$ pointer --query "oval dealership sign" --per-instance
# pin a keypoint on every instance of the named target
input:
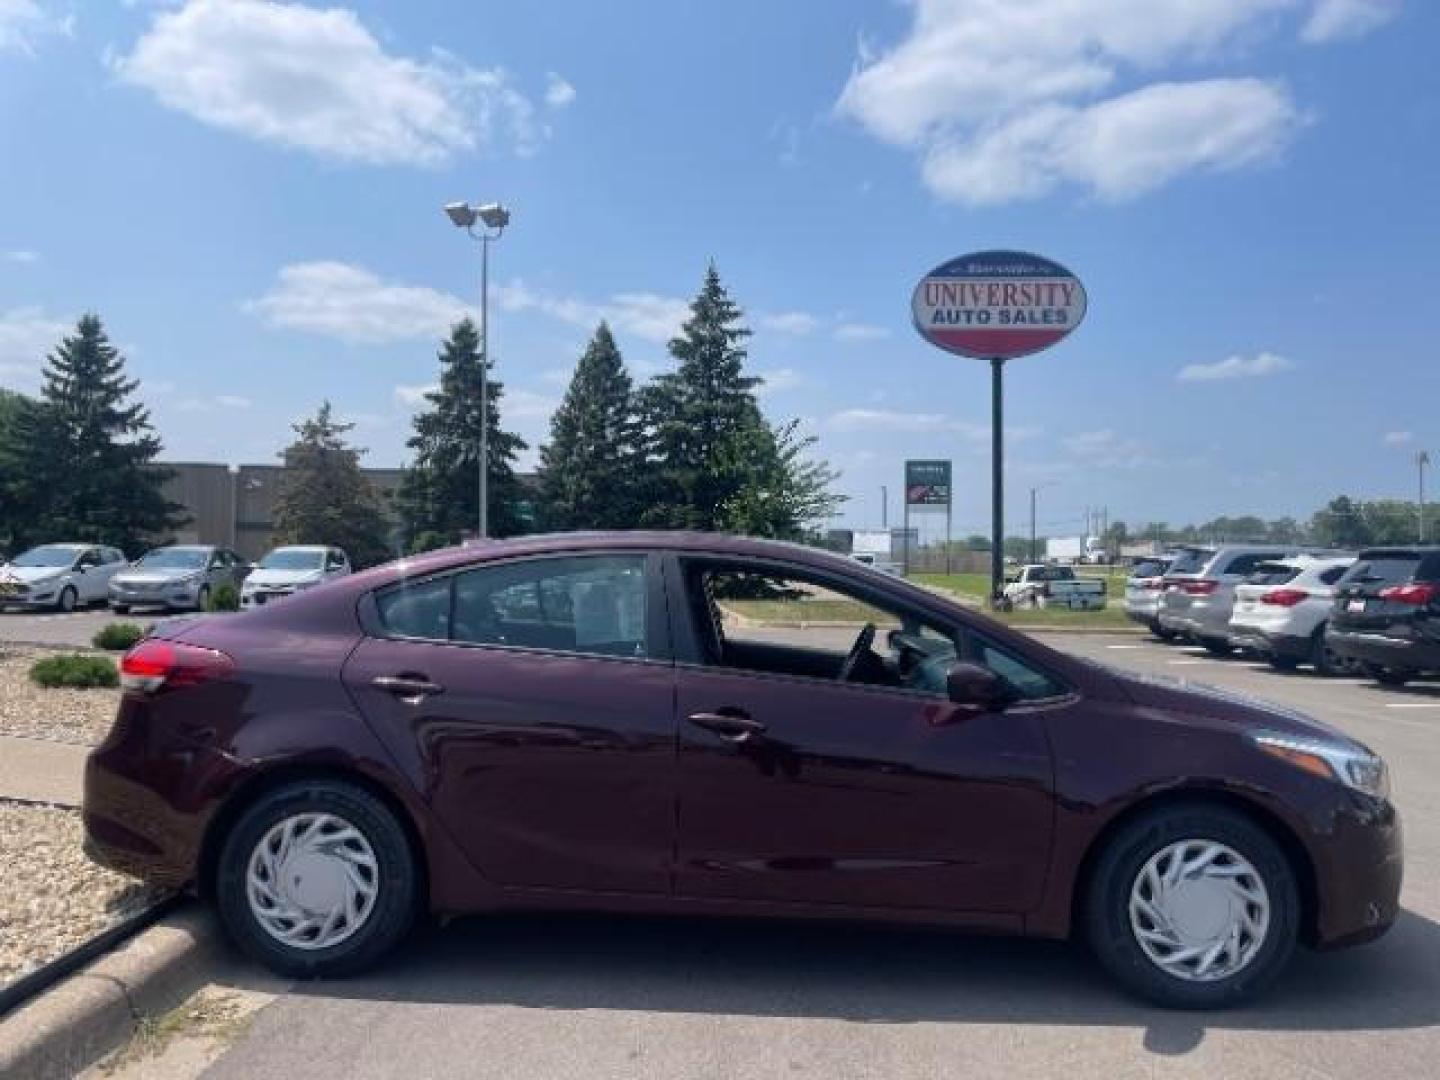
(1001, 304)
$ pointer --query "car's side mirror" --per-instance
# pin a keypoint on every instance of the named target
(977, 686)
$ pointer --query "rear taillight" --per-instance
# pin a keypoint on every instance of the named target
(1409, 594)
(1199, 588)
(1153, 584)
(155, 664)
(1284, 597)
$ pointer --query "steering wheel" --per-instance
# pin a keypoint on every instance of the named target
(859, 649)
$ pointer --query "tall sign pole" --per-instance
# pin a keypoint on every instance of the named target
(996, 306)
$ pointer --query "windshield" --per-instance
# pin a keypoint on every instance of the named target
(175, 559)
(1190, 562)
(1384, 569)
(1273, 574)
(1150, 568)
(49, 555)
(293, 559)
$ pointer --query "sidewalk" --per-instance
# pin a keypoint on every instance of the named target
(39, 770)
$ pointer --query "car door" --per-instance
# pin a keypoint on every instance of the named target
(802, 788)
(89, 583)
(535, 697)
(113, 562)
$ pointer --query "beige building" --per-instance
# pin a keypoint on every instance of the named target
(235, 505)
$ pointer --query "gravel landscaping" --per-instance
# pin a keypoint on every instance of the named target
(54, 898)
(73, 716)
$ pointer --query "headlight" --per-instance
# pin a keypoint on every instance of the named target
(1351, 765)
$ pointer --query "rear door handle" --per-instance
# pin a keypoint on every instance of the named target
(734, 727)
(411, 688)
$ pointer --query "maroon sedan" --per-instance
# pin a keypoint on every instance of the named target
(600, 721)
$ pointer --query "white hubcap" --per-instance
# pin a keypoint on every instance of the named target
(1199, 910)
(312, 881)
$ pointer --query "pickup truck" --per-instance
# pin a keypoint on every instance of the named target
(1054, 586)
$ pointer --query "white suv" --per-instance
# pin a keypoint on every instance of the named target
(1282, 608)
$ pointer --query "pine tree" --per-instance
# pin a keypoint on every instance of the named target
(14, 511)
(697, 416)
(439, 498)
(325, 498)
(588, 472)
(87, 451)
(713, 461)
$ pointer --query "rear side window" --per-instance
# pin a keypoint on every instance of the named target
(1189, 562)
(589, 604)
(1272, 574)
(1331, 576)
(1241, 564)
(418, 610)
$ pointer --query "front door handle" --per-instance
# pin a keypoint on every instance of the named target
(410, 688)
(732, 726)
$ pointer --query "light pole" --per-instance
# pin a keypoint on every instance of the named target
(1034, 550)
(884, 507)
(494, 218)
(1422, 459)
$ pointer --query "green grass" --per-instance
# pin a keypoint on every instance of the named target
(117, 636)
(810, 611)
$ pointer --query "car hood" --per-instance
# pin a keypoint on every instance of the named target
(144, 576)
(28, 574)
(1213, 706)
(283, 577)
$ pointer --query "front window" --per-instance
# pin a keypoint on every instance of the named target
(174, 559)
(292, 559)
(51, 555)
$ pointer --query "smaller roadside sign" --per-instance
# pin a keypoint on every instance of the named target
(927, 483)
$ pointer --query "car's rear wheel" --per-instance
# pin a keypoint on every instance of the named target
(1283, 663)
(1389, 676)
(1216, 646)
(120, 609)
(317, 878)
(66, 601)
(1325, 660)
(1193, 907)
(1164, 633)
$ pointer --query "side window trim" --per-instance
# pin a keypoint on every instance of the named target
(657, 626)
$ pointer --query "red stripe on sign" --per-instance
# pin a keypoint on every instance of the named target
(988, 343)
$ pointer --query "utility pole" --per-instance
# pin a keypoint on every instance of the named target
(884, 507)
(1422, 459)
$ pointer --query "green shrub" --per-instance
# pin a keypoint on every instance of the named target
(80, 672)
(117, 636)
(225, 598)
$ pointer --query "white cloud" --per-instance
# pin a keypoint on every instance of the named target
(1336, 20)
(318, 80)
(1236, 367)
(779, 380)
(233, 401)
(22, 23)
(27, 335)
(1105, 449)
(795, 323)
(1399, 438)
(348, 302)
(853, 331)
(20, 256)
(558, 92)
(646, 315)
(521, 404)
(1004, 100)
(1121, 147)
(893, 420)
(412, 397)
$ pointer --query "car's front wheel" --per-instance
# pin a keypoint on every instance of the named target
(1389, 676)
(67, 599)
(317, 878)
(1193, 907)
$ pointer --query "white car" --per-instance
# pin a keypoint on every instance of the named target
(1281, 611)
(60, 576)
(288, 570)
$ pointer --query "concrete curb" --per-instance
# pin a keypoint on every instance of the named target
(81, 1019)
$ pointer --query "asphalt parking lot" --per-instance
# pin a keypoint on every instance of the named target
(572, 997)
(56, 628)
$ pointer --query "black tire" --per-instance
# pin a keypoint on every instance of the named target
(1216, 646)
(1106, 899)
(67, 599)
(1324, 662)
(396, 901)
(202, 598)
(120, 609)
(1389, 676)
(1283, 663)
(1161, 632)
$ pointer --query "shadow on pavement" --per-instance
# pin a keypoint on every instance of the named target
(876, 976)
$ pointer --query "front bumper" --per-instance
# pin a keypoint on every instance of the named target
(1384, 649)
(1359, 870)
(177, 594)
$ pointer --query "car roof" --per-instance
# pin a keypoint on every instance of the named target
(186, 547)
(304, 547)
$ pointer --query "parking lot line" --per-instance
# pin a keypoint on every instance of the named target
(1126, 646)
(1412, 705)
(1187, 663)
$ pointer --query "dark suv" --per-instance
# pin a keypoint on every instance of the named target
(1387, 613)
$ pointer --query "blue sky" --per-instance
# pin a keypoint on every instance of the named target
(249, 193)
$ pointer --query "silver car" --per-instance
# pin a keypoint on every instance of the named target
(180, 577)
(1197, 602)
(59, 576)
